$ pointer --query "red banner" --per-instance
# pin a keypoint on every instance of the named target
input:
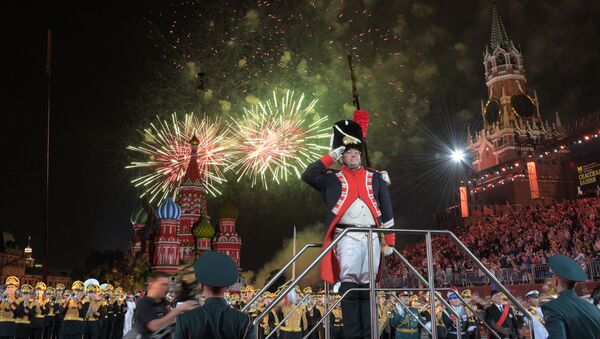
(533, 182)
(464, 202)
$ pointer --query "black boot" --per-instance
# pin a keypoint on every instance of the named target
(365, 312)
(350, 311)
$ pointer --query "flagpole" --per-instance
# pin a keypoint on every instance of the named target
(293, 254)
(47, 159)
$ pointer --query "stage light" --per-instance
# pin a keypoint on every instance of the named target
(457, 155)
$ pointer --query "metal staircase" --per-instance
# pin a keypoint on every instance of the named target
(429, 284)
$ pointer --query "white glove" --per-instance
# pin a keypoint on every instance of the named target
(336, 154)
(400, 310)
(386, 177)
(387, 250)
(471, 329)
(428, 325)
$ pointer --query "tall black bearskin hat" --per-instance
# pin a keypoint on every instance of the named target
(347, 133)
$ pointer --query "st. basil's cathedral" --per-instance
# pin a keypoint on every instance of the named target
(179, 230)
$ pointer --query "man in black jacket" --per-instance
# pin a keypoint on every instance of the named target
(501, 317)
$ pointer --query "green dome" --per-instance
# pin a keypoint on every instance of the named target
(139, 216)
(203, 229)
(228, 210)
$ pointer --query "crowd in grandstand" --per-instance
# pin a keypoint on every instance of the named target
(514, 245)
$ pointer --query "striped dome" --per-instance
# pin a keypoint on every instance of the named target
(168, 210)
(228, 210)
(139, 216)
(203, 229)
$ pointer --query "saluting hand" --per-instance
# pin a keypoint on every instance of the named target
(336, 154)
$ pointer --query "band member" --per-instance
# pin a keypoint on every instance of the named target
(8, 304)
(354, 197)
(337, 321)
(91, 305)
(472, 317)
(501, 317)
(51, 310)
(296, 324)
(59, 311)
(405, 318)
(313, 315)
(38, 311)
(120, 309)
(73, 318)
(569, 316)
(23, 312)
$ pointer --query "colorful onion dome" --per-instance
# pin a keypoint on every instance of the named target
(168, 210)
(139, 216)
(228, 210)
(203, 229)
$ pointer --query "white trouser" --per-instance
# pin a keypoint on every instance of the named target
(352, 255)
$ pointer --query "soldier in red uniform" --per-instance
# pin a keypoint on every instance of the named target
(354, 197)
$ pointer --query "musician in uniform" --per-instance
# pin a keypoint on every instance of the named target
(296, 324)
(501, 317)
(38, 311)
(569, 316)
(405, 318)
(91, 308)
(337, 320)
(313, 315)
(472, 318)
(23, 312)
(119, 307)
(51, 310)
(385, 311)
(73, 317)
(215, 271)
(58, 310)
(441, 330)
(354, 197)
(8, 304)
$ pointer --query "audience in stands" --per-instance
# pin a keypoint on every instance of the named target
(514, 245)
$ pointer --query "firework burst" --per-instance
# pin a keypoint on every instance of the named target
(167, 150)
(277, 138)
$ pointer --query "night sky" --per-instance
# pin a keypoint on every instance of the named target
(111, 75)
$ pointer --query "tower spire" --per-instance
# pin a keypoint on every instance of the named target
(499, 37)
(192, 174)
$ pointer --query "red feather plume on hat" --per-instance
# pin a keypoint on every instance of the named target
(362, 119)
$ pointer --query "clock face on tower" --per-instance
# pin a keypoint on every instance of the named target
(492, 111)
(523, 106)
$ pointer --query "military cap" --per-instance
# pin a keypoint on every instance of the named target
(92, 288)
(307, 290)
(533, 294)
(26, 288)
(50, 290)
(466, 293)
(40, 286)
(67, 292)
(12, 280)
(404, 294)
(347, 133)
(77, 285)
(60, 287)
(566, 268)
(216, 269)
(119, 290)
(414, 298)
(452, 295)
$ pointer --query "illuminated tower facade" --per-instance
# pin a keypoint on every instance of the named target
(227, 240)
(192, 200)
(166, 246)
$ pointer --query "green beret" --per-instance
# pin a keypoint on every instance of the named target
(566, 268)
(215, 269)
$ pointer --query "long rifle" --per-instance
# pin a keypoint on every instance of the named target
(356, 103)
